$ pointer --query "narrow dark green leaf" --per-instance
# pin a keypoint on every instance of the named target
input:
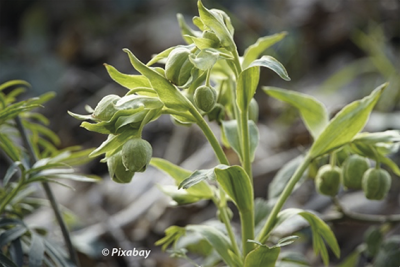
(13, 169)
(14, 83)
(11, 234)
(346, 124)
(255, 50)
(16, 252)
(236, 183)
(10, 221)
(36, 251)
(262, 256)
(9, 147)
(286, 241)
(217, 240)
(126, 80)
(6, 261)
(56, 254)
(313, 112)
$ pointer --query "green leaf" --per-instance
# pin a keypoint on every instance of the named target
(215, 21)
(113, 143)
(283, 176)
(11, 234)
(313, 112)
(218, 241)
(9, 147)
(320, 230)
(172, 235)
(255, 50)
(14, 83)
(262, 256)
(246, 87)
(351, 260)
(380, 137)
(272, 64)
(236, 183)
(204, 60)
(179, 174)
(286, 241)
(292, 259)
(197, 177)
(36, 251)
(160, 56)
(169, 94)
(346, 124)
(181, 197)
(56, 254)
(13, 169)
(126, 80)
(6, 261)
(186, 31)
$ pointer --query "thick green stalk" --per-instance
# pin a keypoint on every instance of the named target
(244, 133)
(247, 222)
(50, 195)
(269, 225)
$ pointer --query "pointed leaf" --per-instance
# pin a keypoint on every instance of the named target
(11, 234)
(215, 21)
(160, 56)
(236, 183)
(197, 177)
(113, 143)
(255, 50)
(346, 124)
(13, 169)
(186, 31)
(181, 197)
(204, 60)
(313, 112)
(6, 261)
(179, 174)
(126, 80)
(262, 256)
(217, 240)
(272, 64)
(169, 94)
(36, 251)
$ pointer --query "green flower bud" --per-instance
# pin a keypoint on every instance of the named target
(205, 98)
(105, 109)
(328, 180)
(253, 110)
(117, 170)
(178, 67)
(136, 154)
(376, 183)
(353, 170)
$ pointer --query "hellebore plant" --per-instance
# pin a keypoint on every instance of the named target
(207, 78)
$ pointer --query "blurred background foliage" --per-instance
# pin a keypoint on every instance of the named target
(336, 50)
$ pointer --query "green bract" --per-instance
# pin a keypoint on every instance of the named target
(376, 183)
(136, 155)
(328, 180)
(105, 109)
(205, 98)
(353, 171)
(178, 67)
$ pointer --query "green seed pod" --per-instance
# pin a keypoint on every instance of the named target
(105, 109)
(376, 183)
(328, 180)
(136, 154)
(117, 170)
(253, 110)
(205, 98)
(353, 170)
(178, 67)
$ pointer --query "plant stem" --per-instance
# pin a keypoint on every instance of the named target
(209, 135)
(225, 219)
(269, 225)
(247, 222)
(72, 253)
(244, 132)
